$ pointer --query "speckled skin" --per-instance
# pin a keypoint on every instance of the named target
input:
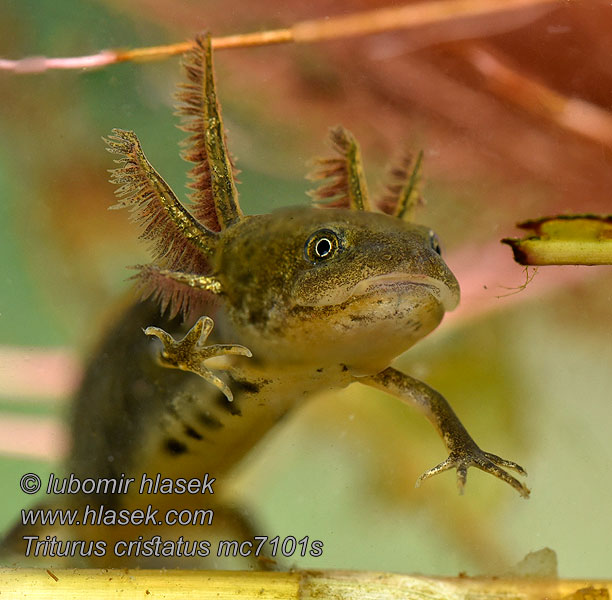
(291, 309)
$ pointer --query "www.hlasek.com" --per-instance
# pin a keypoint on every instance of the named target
(94, 514)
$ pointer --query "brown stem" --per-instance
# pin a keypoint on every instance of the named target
(316, 30)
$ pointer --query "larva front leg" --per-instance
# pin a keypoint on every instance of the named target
(189, 353)
(463, 450)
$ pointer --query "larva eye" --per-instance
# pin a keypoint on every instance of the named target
(321, 245)
(434, 242)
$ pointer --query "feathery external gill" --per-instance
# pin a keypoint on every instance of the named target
(402, 194)
(175, 291)
(181, 241)
(214, 194)
(178, 240)
(345, 186)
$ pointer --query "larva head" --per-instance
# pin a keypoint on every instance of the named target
(333, 286)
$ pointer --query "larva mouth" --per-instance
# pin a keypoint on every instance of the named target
(391, 283)
(400, 283)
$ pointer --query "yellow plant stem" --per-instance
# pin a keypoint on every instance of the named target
(564, 240)
(73, 584)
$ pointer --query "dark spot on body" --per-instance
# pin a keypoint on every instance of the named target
(344, 368)
(209, 420)
(320, 370)
(250, 387)
(231, 407)
(175, 447)
(192, 433)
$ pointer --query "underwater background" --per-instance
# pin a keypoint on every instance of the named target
(513, 114)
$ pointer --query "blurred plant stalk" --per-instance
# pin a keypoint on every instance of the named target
(572, 114)
(315, 30)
